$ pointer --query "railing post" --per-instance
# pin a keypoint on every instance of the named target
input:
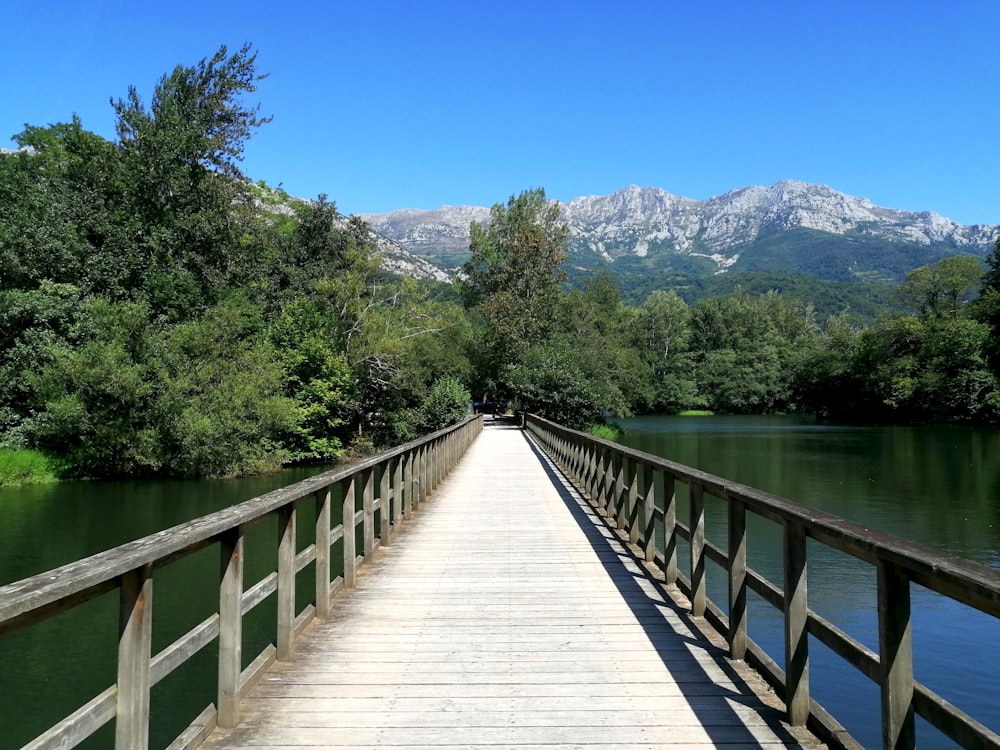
(895, 657)
(385, 502)
(587, 472)
(409, 484)
(633, 502)
(737, 579)
(669, 528)
(607, 480)
(230, 626)
(616, 500)
(323, 553)
(368, 513)
(350, 534)
(135, 635)
(648, 513)
(397, 491)
(286, 583)
(796, 634)
(698, 585)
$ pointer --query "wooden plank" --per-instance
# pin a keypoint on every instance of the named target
(230, 627)
(286, 583)
(796, 625)
(134, 642)
(699, 584)
(324, 504)
(895, 658)
(79, 725)
(737, 580)
(526, 626)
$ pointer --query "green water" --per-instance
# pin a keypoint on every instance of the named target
(936, 485)
(50, 670)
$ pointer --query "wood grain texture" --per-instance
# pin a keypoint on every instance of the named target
(506, 614)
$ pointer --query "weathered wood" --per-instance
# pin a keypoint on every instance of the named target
(648, 513)
(495, 629)
(259, 591)
(954, 723)
(669, 494)
(197, 732)
(847, 648)
(33, 599)
(230, 626)
(398, 490)
(350, 532)
(896, 658)
(737, 580)
(135, 636)
(323, 563)
(697, 541)
(286, 583)
(796, 625)
(368, 510)
(178, 652)
(965, 582)
(130, 568)
(634, 527)
(385, 502)
(79, 725)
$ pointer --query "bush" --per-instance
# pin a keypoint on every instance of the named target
(605, 432)
(447, 403)
(19, 467)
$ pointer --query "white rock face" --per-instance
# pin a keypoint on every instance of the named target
(642, 221)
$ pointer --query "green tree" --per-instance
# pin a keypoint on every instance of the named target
(447, 403)
(513, 276)
(942, 288)
(745, 350)
(662, 335)
(190, 202)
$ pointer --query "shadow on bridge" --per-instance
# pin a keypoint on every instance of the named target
(664, 622)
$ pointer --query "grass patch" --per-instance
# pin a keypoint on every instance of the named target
(605, 432)
(696, 413)
(19, 467)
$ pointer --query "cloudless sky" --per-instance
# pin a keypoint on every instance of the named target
(390, 104)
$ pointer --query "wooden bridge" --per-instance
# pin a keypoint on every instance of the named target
(529, 598)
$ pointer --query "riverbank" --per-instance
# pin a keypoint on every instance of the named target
(21, 467)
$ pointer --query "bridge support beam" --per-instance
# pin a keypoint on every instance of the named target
(895, 658)
(135, 629)
(796, 626)
(230, 627)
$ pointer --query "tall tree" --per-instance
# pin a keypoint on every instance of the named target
(514, 274)
(942, 288)
(185, 188)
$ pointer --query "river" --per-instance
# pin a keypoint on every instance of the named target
(49, 670)
(936, 485)
(939, 486)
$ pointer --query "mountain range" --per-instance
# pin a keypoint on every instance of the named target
(791, 226)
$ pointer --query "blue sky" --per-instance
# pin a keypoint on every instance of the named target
(384, 105)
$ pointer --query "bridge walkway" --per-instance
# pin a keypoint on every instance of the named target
(508, 615)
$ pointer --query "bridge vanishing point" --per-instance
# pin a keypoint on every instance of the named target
(508, 615)
(493, 586)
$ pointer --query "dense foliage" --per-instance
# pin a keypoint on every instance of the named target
(161, 314)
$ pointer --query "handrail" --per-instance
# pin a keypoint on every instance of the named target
(378, 494)
(635, 489)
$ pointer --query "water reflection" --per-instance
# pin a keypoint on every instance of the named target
(935, 485)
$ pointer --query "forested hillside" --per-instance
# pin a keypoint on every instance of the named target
(158, 315)
(162, 314)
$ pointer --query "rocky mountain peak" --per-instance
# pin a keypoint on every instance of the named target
(647, 221)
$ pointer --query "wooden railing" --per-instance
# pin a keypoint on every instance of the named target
(377, 494)
(636, 490)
